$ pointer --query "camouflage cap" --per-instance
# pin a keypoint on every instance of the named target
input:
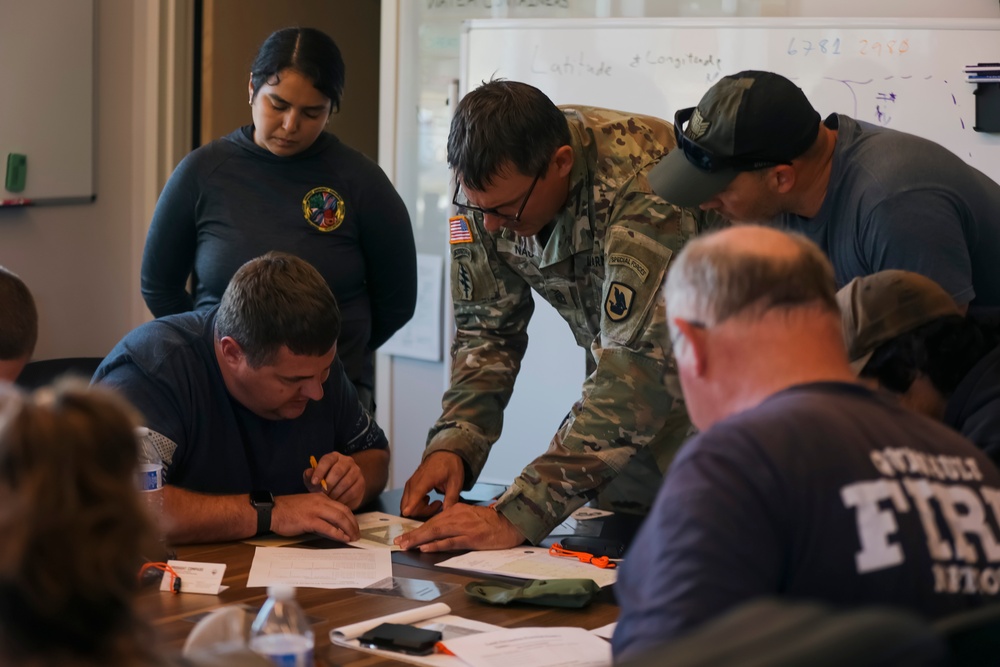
(746, 121)
(877, 308)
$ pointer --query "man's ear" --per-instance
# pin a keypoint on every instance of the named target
(563, 160)
(232, 352)
(695, 337)
(783, 179)
(250, 88)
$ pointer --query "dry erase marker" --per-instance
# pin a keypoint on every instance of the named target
(312, 462)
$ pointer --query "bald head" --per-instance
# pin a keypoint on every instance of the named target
(746, 271)
(752, 311)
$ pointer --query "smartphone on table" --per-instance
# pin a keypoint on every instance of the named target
(402, 638)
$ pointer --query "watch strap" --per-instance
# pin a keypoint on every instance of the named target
(263, 512)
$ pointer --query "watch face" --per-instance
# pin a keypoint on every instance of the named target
(261, 498)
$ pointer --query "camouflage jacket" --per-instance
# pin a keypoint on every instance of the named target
(602, 268)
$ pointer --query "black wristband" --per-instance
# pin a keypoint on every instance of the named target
(263, 502)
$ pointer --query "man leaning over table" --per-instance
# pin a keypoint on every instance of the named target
(556, 206)
(239, 397)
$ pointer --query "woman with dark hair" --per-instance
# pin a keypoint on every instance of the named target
(75, 534)
(283, 183)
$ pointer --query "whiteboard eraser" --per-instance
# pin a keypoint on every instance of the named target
(17, 172)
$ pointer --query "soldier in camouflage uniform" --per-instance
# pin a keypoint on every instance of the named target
(556, 201)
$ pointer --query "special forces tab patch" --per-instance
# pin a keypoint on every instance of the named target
(629, 262)
(323, 208)
(618, 304)
(459, 230)
(463, 287)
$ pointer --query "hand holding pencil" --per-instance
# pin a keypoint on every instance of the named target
(313, 463)
(338, 477)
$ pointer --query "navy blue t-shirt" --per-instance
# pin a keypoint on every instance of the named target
(974, 408)
(230, 201)
(825, 492)
(168, 370)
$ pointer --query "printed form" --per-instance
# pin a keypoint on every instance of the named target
(319, 568)
(530, 563)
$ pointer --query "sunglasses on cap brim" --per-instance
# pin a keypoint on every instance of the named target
(705, 160)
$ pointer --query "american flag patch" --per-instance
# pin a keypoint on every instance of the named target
(459, 230)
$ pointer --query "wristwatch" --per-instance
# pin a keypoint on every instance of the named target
(263, 502)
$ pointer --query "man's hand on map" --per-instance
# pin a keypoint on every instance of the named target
(463, 527)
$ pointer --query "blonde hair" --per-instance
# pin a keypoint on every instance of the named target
(74, 529)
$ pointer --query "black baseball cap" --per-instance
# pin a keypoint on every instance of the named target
(746, 121)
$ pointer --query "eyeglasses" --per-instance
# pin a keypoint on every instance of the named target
(706, 160)
(492, 211)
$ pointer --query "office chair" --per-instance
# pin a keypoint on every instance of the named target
(972, 637)
(770, 632)
(40, 373)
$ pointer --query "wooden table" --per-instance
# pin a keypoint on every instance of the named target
(172, 614)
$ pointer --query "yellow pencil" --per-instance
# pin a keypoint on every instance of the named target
(312, 462)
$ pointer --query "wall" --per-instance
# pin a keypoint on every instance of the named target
(228, 54)
(80, 260)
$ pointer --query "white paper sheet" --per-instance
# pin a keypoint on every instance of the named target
(196, 577)
(407, 617)
(450, 627)
(318, 568)
(530, 563)
(532, 647)
(379, 529)
(605, 631)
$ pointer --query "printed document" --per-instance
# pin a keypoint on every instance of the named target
(532, 647)
(318, 568)
(530, 563)
(431, 617)
(466, 643)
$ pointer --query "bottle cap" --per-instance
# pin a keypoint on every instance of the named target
(281, 592)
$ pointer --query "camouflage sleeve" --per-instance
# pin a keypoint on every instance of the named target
(492, 308)
(627, 400)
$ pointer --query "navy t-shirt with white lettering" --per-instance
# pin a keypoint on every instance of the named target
(826, 492)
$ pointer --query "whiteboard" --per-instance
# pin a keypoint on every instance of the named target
(903, 74)
(47, 100)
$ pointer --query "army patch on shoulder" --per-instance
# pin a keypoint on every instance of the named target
(323, 208)
(629, 262)
(464, 282)
(618, 303)
(459, 230)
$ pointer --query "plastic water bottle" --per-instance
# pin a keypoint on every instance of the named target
(150, 475)
(281, 632)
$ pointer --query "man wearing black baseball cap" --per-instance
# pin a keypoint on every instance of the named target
(755, 150)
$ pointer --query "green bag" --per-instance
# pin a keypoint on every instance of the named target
(574, 593)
